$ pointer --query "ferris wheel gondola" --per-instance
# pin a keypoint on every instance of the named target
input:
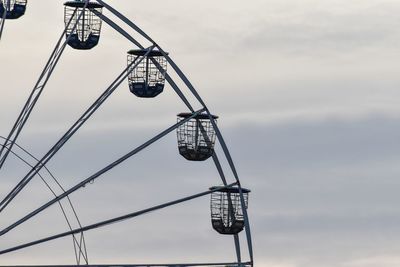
(82, 24)
(147, 80)
(12, 9)
(196, 137)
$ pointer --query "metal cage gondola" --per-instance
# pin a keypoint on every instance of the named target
(14, 8)
(227, 210)
(196, 137)
(86, 34)
(148, 78)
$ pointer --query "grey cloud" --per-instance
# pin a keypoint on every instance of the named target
(325, 30)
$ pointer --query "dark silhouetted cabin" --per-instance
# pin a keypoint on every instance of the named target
(86, 34)
(14, 10)
(148, 78)
(227, 211)
(196, 137)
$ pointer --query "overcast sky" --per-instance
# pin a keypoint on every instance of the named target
(306, 93)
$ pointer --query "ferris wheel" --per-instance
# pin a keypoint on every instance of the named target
(146, 71)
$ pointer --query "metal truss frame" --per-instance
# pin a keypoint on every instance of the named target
(24, 115)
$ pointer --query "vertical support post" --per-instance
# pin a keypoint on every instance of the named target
(83, 23)
(196, 137)
(237, 246)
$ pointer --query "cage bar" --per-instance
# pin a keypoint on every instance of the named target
(86, 34)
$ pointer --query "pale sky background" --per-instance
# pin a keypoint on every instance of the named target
(306, 93)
